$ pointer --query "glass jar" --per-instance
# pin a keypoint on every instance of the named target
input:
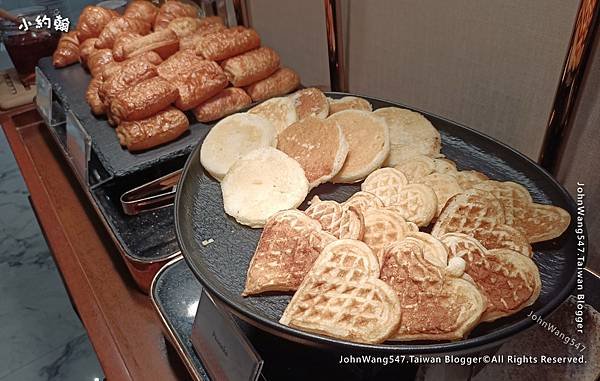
(27, 45)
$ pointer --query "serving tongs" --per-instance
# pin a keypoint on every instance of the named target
(153, 195)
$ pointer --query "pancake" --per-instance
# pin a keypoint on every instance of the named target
(318, 145)
(310, 102)
(342, 297)
(348, 103)
(288, 246)
(232, 138)
(411, 134)
(262, 183)
(368, 143)
(279, 111)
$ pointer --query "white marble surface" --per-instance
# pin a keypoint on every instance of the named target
(41, 337)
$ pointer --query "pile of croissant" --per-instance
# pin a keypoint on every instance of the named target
(151, 64)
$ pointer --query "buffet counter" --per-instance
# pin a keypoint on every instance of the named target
(122, 326)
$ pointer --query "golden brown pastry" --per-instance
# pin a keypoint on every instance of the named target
(251, 66)
(143, 100)
(92, 97)
(181, 62)
(67, 51)
(99, 60)
(130, 73)
(279, 83)
(208, 23)
(163, 42)
(195, 86)
(122, 40)
(117, 26)
(227, 102)
(184, 26)
(167, 125)
(112, 69)
(172, 10)
(142, 10)
(92, 20)
(190, 42)
(86, 49)
(227, 43)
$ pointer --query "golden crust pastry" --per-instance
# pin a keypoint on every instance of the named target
(171, 10)
(163, 42)
(120, 42)
(283, 81)
(92, 97)
(143, 100)
(99, 60)
(251, 66)
(228, 101)
(117, 26)
(142, 10)
(130, 73)
(227, 43)
(92, 20)
(67, 50)
(199, 84)
(184, 26)
(163, 127)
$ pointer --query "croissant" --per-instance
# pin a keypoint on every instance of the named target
(164, 42)
(67, 51)
(86, 49)
(99, 60)
(117, 26)
(143, 100)
(170, 11)
(184, 26)
(141, 9)
(167, 125)
(92, 20)
(281, 82)
(190, 41)
(92, 97)
(120, 42)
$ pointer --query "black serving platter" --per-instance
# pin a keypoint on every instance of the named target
(221, 266)
(70, 84)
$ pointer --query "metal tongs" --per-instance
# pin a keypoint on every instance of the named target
(153, 195)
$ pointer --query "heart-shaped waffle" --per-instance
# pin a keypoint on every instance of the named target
(385, 183)
(537, 222)
(336, 219)
(444, 185)
(434, 251)
(479, 214)
(508, 280)
(341, 296)
(416, 203)
(383, 227)
(435, 304)
(362, 201)
(416, 167)
(288, 246)
(468, 179)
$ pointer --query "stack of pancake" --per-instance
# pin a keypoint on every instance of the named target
(423, 251)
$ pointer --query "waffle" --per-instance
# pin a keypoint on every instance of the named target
(479, 214)
(435, 305)
(385, 183)
(416, 167)
(336, 219)
(288, 246)
(433, 250)
(443, 165)
(537, 222)
(416, 203)
(509, 281)
(468, 179)
(362, 201)
(342, 297)
(383, 227)
(444, 185)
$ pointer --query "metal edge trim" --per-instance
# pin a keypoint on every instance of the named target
(167, 328)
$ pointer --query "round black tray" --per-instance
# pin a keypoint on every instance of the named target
(221, 266)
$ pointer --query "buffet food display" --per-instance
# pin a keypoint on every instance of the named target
(151, 65)
(423, 251)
